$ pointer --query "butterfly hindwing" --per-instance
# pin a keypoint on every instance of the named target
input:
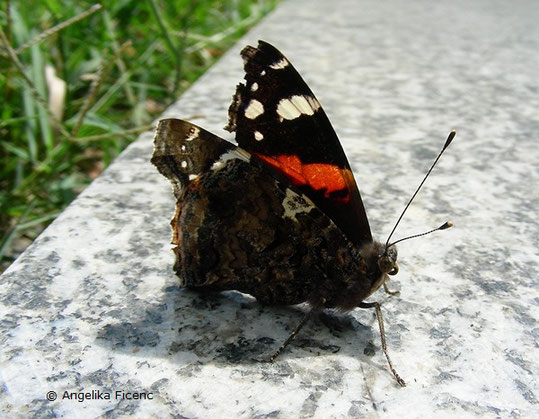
(183, 151)
(277, 118)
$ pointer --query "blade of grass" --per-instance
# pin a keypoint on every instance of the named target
(38, 76)
(38, 220)
(102, 72)
(6, 122)
(30, 126)
(218, 37)
(139, 112)
(20, 32)
(8, 19)
(6, 240)
(58, 28)
(123, 133)
(21, 153)
(111, 29)
(175, 53)
(100, 122)
(17, 229)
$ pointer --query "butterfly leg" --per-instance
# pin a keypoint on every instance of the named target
(383, 337)
(390, 292)
(306, 317)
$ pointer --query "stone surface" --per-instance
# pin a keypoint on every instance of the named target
(93, 304)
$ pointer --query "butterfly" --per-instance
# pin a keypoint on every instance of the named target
(279, 216)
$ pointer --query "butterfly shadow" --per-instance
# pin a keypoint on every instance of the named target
(189, 327)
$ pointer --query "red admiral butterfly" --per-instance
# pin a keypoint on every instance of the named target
(279, 217)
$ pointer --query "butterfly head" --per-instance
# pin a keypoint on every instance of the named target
(380, 261)
(387, 261)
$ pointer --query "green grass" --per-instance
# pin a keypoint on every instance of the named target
(120, 66)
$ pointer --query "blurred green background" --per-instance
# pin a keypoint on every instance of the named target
(79, 81)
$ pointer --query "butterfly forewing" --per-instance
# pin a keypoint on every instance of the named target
(277, 118)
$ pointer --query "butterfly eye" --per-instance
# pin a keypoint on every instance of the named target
(387, 262)
(388, 265)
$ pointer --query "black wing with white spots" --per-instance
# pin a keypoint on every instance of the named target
(277, 118)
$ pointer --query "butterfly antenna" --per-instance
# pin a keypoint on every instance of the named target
(446, 225)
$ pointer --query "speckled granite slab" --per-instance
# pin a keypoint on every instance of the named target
(93, 306)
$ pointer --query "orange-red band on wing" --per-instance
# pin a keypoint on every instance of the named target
(318, 176)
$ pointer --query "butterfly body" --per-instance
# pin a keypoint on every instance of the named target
(272, 242)
(279, 217)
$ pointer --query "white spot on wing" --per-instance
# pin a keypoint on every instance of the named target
(295, 204)
(297, 105)
(242, 154)
(254, 109)
(217, 165)
(235, 154)
(193, 133)
(313, 103)
(254, 87)
(259, 136)
(279, 65)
